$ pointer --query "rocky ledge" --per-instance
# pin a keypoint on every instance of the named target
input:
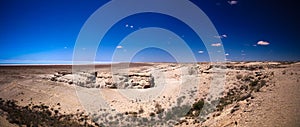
(105, 80)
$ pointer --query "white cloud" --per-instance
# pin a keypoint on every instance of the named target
(221, 36)
(263, 43)
(216, 44)
(233, 2)
(119, 47)
(129, 26)
(227, 54)
(200, 52)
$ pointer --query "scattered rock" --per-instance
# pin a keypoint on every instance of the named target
(64, 73)
(182, 120)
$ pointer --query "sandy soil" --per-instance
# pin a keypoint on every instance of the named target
(274, 104)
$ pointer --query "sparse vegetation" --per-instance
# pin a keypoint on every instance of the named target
(253, 83)
(158, 108)
(245, 91)
(41, 115)
(152, 114)
(141, 110)
(239, 76)
(196, 108)
(284, 72)
(247, 78)
(198, 105)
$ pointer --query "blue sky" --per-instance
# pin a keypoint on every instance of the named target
(46, 31)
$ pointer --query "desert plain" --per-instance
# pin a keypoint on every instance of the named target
(243, 94)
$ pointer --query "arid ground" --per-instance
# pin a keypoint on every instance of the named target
(152, 94)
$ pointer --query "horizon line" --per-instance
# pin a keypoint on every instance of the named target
(36, 63)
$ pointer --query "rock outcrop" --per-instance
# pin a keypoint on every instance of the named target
(106, 80)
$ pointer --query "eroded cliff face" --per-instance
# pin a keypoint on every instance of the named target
(105, 80)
